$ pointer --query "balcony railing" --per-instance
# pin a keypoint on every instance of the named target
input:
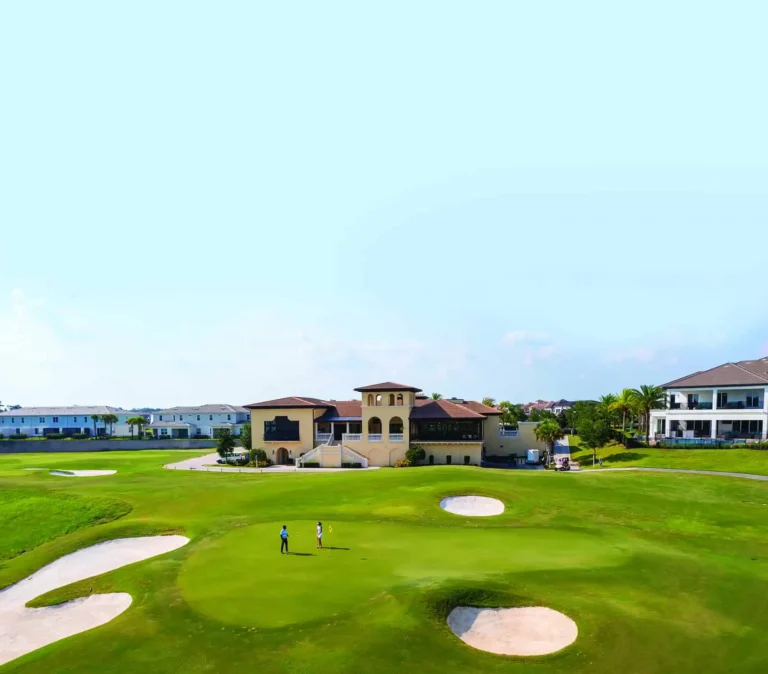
(738, 405)
(396, 437)
(351, 437)
(503, 433)
(374, 437)
(446, 436)
(323, 437)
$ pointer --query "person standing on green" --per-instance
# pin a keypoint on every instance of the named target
(284, 539)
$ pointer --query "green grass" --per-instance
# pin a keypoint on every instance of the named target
(616, 456)
(662, 573)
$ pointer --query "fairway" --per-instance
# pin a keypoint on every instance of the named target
(659, 572)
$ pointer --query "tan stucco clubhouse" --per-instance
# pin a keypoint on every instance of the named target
(378, 428)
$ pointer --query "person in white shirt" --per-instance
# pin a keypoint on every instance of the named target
(319, 534)
(284, 540)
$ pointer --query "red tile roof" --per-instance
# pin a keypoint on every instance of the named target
(480, 408)
(442, 409)
(343, 408)
(388, 386)
(290, 402)
(742, 373)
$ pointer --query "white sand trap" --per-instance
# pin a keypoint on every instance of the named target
(23, 630)
(530, 630)
(82, 473)
(474, 506)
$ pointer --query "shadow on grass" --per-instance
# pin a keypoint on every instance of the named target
(301, 554)
(624, 456)
(327, 547)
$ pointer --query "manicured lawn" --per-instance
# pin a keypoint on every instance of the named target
(662, 573)
(735, 460)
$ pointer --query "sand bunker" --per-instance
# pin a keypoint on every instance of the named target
(530, 630)
(23, 630)
(474, 506)
(82, 473)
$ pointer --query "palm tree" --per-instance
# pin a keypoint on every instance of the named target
(490, 402)
(109, 420)
(437, 396)
(648, 398)
(624, 403)
(135, 421)
(95, 418)
(548, 431)
(141, 422)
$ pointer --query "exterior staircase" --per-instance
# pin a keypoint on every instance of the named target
(332, 454)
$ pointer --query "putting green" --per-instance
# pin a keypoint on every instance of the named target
(242, 579)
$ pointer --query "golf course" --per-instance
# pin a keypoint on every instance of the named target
(660, 572)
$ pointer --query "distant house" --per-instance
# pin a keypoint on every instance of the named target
(191, 422)
(538, 405)
(67, 420)
(727, 402)
(561, 405)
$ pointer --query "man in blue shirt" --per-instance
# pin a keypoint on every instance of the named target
(284, 539)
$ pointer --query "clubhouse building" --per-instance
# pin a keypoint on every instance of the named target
(377, 428)
(727, 402)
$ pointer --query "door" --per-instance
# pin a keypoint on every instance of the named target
(282, 456)
(338, 431)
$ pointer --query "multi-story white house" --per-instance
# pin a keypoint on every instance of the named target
(191, 422)
(41, 421)
(728, 402)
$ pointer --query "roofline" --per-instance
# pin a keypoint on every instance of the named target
(673, 383)
(717, 386)
(309, 405)
(374, 388)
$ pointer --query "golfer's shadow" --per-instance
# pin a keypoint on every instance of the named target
(328, 547)
(301, 554)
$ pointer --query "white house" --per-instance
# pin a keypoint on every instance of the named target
(190, 422)
(727, 402)
(40, 421)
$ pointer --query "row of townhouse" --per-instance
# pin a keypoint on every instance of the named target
(377, 428)
(726, 402)
(175, 422)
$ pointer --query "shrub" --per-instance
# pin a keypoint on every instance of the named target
(257, 455)
(402, 463)
(55, 436)
(263, 464)
(18, 436)
(79, 436)
(311, 464)
(414, 455)
(351, 465)
(202, 436)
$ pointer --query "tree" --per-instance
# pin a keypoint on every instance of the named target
(548, 431)
(541, 415)
(437, 396)
(490, 402)
(511, 414)
(624, 404)
(245, 436)
(562, 420)
(226, 443)
(135, 421)
(606, 406)
(95, 419)
(141, 422)
(109, 420)
(415, 454)
(594, 433)
(649, 398)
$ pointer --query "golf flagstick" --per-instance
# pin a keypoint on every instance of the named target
(330, 531)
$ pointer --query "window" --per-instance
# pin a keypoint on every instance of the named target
(391, 399)
(198, 417)
(378, 399)
(22, 420)
(400, 399)
(42, 420)
(229, 417)
(466, 460)
(161, 417)
(722, 399)
(753, 401)
(181, 417)
(13, 420)
(210, 417)
(75, 419)
(55, 420)
(448, 459)
(37, 431)
(693, 399)
(163, 431)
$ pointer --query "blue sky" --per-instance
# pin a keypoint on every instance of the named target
(233, 201)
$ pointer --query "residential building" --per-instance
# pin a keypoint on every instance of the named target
(554, 406)
(561, 406)
(41, 421)
(377, 428)
(726, 402)
(538, 405)
(191, 422)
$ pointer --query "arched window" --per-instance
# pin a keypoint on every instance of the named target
(370, 400)
(399, 399)
(395, 425)
(374, 425)
(391, 399)
(378, 399)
